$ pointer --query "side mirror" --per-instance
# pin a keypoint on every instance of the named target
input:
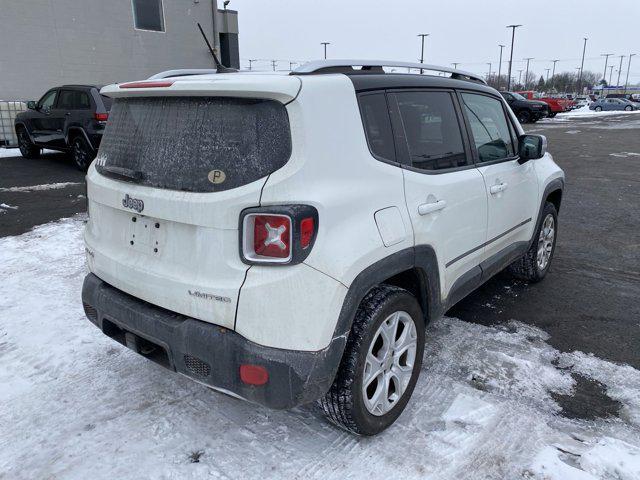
(32, 105)
(531, 147)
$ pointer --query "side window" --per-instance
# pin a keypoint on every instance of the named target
(148, 15)
(432, 130)
(66, 100)
(377, 125)
(49, 100)
(82, 101)
(489, 127)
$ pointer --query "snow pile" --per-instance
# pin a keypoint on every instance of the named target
(15, 152)
(74, 404)
(35, 188)
(4, 208)
(585, 112)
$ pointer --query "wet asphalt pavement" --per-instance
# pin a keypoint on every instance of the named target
(589, 301)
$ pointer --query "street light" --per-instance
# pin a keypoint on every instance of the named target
(526, 75)
(610, 73)
(620, 70)
(455, 65)
(584, 49)
(626, 82)
(520, 77)
(489, 76)
(606, 61)
(500, 66)
(273, 64)
(548, 70)
(325, 48)
(422, 35)
(513, 35)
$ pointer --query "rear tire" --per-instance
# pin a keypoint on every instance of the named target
(524, 116)
(628, 108)
(534, 265)
(598, 109)
(82, 153)
(27, 149)
(380, 365)
(552, 114)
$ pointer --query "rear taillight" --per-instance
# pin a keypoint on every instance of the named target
(101, 117)
(271, 236)
(278, 234)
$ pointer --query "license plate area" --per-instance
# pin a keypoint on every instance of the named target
(153, 351)
(145, 235)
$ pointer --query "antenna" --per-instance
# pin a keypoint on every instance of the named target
(220, 68)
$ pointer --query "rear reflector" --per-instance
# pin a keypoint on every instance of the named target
(253, 374)
(146, 84)
(306, 231)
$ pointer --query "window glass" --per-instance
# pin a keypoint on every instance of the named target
(377, 125)
(66, 100)
(48, 100)
(489, 127)
(432, 130)
(147, 15)
(82, 101)
(106, 101)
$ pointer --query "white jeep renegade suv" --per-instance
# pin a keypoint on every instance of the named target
(286, 238)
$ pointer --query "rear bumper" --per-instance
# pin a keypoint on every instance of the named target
(208, 353)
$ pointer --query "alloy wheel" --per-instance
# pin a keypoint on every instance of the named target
(545, 242)
(80, 154)
(389, 363)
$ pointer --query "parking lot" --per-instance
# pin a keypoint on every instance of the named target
(568, 339)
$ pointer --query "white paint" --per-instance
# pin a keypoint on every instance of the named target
(390, 226)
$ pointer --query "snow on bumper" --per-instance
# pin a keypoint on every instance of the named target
(208, 353)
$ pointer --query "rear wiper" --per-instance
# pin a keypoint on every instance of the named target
(122, 172)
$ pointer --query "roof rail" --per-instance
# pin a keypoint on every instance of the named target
(334, 66)
(182, 73)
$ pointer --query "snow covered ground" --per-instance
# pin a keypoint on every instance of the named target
(14, 152)
(584, 112)
(76, 405)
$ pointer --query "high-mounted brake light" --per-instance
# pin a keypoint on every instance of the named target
(146, 84)
(101, 117)
(277, 235)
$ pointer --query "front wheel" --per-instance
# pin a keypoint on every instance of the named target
(27, 149)
(534, 265)
(82, 153)
(380, 364)
(628, 108)
(523, 116)
(598, 109)
(552, 114)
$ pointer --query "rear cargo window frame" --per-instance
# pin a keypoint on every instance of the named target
(267, 121)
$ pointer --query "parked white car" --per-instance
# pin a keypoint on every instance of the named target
(286, 238)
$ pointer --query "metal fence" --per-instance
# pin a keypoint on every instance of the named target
(8, 112)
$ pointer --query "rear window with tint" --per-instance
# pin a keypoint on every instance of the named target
(195, 144)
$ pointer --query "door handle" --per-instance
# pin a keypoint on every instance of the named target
(501, 187)
(427, 208)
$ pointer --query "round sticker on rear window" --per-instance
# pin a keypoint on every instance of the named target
(216, 176)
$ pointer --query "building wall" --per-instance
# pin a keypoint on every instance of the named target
(44, 43)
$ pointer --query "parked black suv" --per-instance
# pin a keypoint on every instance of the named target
(526, 110)
(70, 118)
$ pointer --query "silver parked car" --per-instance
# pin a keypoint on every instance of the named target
(613, 104)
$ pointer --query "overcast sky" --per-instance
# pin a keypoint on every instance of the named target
(465, 31)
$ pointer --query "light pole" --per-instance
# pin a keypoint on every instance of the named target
(422, 36)
(489, 63)
(548, 70)
(251, 60)
(273, 64)
(291, 64)
(526, 75)
(513, 36)
(606, 61)
(324, 44)
(610, 73)
(620, 70)
(500, 66)
(626, 82)
(455, 65)
(520, 77)
(584, 49)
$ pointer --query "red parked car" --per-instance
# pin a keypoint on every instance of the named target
(556, 105)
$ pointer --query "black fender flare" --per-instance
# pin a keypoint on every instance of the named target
(422, 258)
(554, 185)
(23, 125)
(73, 129)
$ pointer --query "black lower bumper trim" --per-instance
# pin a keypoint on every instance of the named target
(209, 353)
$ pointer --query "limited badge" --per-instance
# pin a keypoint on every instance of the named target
(216, 176)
